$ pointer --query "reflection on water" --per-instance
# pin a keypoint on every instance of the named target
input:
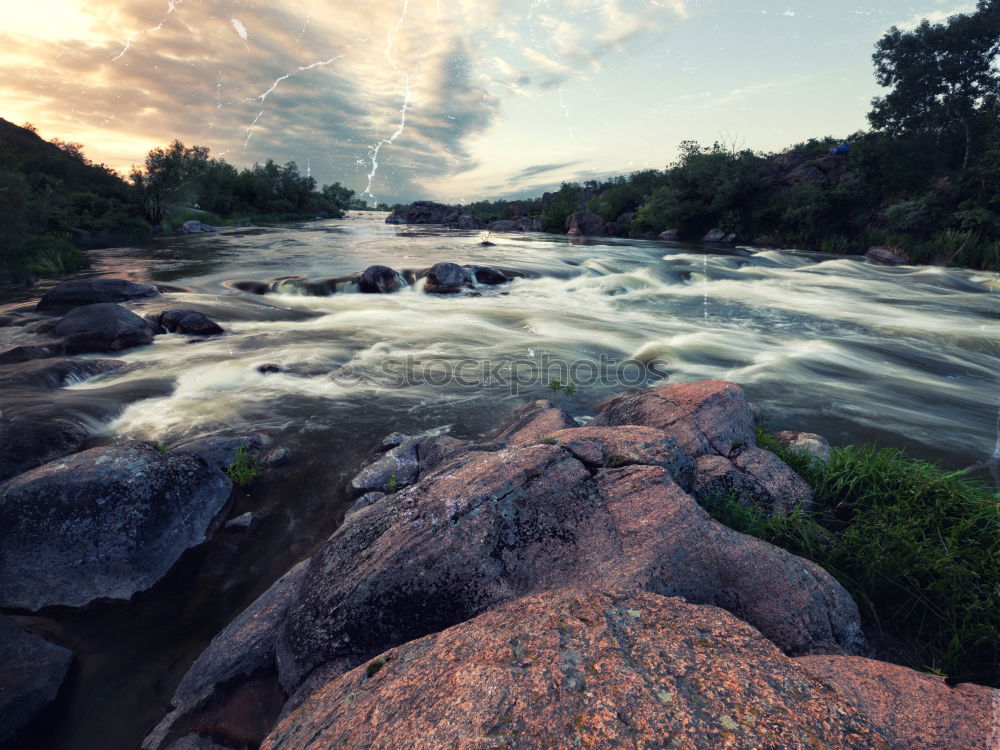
(850, 349)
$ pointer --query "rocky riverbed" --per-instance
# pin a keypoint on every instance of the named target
(536, 576)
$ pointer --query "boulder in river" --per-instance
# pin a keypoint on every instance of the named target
(579, 667)
(102, 327)
(18, 354)
(487, 275)
(586, 224)
(894, 256)
(715, 235)
(33, 671)
(31, 441)
(195, 227)
(78, 292)
(190, 322)
(424, 212)
(380, 280)
(104, 523)
(447, 278)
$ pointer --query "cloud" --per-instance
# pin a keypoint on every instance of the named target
(297, 81)
(540, 169)
(935, 16)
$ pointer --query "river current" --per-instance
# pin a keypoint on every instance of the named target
(905, 356)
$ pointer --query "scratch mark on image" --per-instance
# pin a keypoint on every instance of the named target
(171, 7)
(374, 150)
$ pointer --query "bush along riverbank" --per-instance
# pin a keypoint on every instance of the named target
(557, 584)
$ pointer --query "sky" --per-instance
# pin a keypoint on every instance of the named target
(451, 100)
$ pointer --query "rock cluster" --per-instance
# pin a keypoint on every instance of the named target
(557, 585)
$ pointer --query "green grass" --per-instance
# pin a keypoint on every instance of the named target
(49, 256)
(160, 447)
(917, 546)
(394, 484)
(178, 216)
(244, 468)
(375, 665)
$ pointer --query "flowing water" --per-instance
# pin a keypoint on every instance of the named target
(853, 350)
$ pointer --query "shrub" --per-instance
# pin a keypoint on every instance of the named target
(49, 256)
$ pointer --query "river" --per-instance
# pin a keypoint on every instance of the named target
(905, 356)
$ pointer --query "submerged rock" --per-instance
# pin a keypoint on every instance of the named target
(18, 354)
(79, 292)
(56, 372)
(33, 671)
(487, 275)
(104, 523)
(580, 667)
(102, 327)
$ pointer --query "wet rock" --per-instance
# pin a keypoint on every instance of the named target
(894, 256)
(104, 523)
(380, 280)
(29, 442)
(190, 322)
(254, 287)
(586, 224)
(198, 742)
(243, 522)
(57, 372)
(911, 709)
(668, 234)
(810, 443)
(533, 423)
(230, 692)
(33, 671)
(490, 526)
(19, 354)
(487, 275)
(447, 278)
(102, 327)
(269, 368)
(580, 667)
(396, 469)
(219, 451)
(473, 294)
(715, 235)
(522, 224)
(704, 417)
(393, 439)
(79, 292)
(276, 457)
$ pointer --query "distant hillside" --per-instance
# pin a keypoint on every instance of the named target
(53, 199)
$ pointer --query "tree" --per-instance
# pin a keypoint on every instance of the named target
(171, 176)
(943, 77)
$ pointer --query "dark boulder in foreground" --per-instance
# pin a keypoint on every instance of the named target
(104, 523)
(18, 354)
(33, 671)
(79, 292)
(102, 327)
(190, 322)
(380, 280)
(579, 667)
(29, 442)
(487, 275)
(448, 278)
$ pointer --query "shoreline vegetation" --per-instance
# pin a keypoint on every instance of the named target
(923, 184)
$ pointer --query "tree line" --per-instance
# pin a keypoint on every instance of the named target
(925, 177)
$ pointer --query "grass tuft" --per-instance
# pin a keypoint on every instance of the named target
(917, 546)
(244, 468)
